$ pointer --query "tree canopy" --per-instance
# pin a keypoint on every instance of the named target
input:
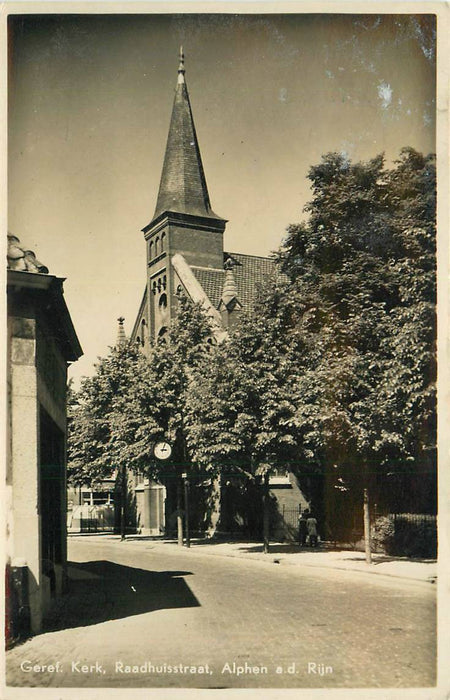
(133, 401)
(333, 371)
(331, 374)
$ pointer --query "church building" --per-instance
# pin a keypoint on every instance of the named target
(184, 240)
(185, 255)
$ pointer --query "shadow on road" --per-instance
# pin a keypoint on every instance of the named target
(281, 549)
(102, 590)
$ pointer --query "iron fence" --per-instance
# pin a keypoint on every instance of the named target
(406, 534)
(291, 515)
(100, 519)
(414, 518)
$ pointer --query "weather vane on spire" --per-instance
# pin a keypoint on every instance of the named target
(181, 70)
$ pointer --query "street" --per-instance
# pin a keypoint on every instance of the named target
(140, 617)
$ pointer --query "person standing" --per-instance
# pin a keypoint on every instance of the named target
(311, 526)
(302, 528)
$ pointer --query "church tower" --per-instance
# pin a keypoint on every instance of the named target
(183, 223)
(185, 255)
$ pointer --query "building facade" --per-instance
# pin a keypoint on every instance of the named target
(41, 343)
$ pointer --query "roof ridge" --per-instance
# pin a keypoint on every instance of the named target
(210, 269)
(249, 255)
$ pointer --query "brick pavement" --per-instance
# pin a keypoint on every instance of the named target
(136, 603)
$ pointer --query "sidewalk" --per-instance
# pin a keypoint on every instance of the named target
(292, 555)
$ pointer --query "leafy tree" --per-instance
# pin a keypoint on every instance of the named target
(364, 263)
(334, 370)
(332, 373)
(91, 449)
(236, 405)
(133, 401)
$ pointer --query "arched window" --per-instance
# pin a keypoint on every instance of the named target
(143, 332)
(163, 242)
(157, 247)
(162, 335)
(163, 301)
(150, 250)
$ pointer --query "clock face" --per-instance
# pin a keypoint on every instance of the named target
(163, 450)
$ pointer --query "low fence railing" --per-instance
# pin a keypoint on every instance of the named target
(406, 534)
(92, 519)
(414, 517)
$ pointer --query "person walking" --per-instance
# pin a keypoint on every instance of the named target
(311, 526)
(302, 528)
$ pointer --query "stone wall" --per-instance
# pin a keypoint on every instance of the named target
(36, 384)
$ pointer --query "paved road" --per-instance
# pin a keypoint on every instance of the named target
(141, 617)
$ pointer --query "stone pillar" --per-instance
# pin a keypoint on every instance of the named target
(25, 460)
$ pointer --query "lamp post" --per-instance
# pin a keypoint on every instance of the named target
(263, 470)
(266, 500)
(186, 509)
(179, 512)
(162, 451)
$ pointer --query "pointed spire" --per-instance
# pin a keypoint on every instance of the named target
(183, 186)
(121, 337)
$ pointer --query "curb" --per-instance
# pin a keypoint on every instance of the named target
(430, 580)
(173, 549)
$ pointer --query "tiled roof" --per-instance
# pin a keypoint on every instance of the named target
(249, 273)
(211, 281)
(21, 259)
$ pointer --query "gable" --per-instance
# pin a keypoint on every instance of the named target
(249, 273)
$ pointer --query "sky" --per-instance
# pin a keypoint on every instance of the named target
(90, 99)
